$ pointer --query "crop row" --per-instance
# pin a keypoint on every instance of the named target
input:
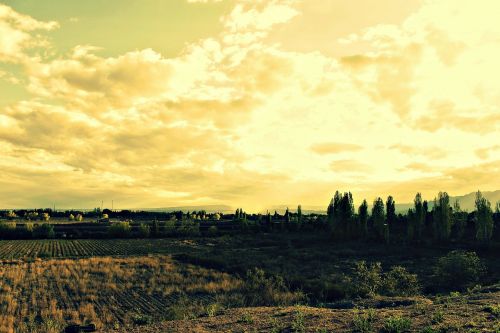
(46, 295)
(57, 248)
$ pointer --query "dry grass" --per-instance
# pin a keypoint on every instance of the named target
(42, 296)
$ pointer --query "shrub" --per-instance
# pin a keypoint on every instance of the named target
(43, 231)
(212, 231)
(7, 230)
(155, 229)
(363, 323)
(458, 270)
(178, 310)
(188, 228)
(213, 309)
(260, 290)
(143, 231)
(437, 317)
(141, 319)
(27, 230)
(119, 230)
(398, 282)
(298, 323)
(493, 309)
(366, 279)
(246, 318)
(396, 324)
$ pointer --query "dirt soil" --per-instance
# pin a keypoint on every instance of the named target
(472, 312)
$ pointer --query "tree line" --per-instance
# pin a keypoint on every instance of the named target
(442, 223)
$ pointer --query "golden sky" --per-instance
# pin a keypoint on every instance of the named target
(251, 103)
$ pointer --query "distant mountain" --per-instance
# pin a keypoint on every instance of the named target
(293, 208)
(467, 201)
(207, 208)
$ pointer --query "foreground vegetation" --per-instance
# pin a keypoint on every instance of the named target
(42, 296)
(230, 276)
(472, 312)
(428, 270)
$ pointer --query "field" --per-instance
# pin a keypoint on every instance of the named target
(109, 292)
(211, 284)
(31, 249)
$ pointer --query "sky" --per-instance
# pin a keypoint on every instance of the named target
(246, 103)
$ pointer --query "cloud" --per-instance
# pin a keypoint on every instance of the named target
(15, 34)
(485, 153)
(349, 166)
(241, 118)
(334, 148)
(432, 152)
(455, 181)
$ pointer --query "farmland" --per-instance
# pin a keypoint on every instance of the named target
(31, 249)
(184, 284)
(108, 292)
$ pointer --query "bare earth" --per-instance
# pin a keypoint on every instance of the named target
(456, 313)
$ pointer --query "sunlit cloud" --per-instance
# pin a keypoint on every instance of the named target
(248, 118)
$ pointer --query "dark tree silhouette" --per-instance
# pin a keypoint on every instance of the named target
(378, 216)
(390, 207)
(484, 219)
(442, 217)
(363, 219)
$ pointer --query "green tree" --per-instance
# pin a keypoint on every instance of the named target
(459, 220)
(333, 210)
(343, 215)
(143, 231)
(329, 212)
(390, 207)
(378, 216)
(346, 215)
(363, 219)
(155, 229)
(299, 213)
(416, 219)
(484, 219)
(442, 217)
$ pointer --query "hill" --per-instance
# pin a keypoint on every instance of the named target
(467, 201)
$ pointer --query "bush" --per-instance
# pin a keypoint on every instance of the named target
(298, 323)
(366, 280)
(179, 310)
(260, 290)
(188, 229)
(458, 270)
(119, 230)
(398, 282)
(363, 323)
(396, 324)
(7, 230)
(212, 231)
(43, 231)
(27, 230)
(493, 309)
(143, 231)
(142, 319)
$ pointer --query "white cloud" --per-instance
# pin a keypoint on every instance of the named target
(15, 35)
(234, 117)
